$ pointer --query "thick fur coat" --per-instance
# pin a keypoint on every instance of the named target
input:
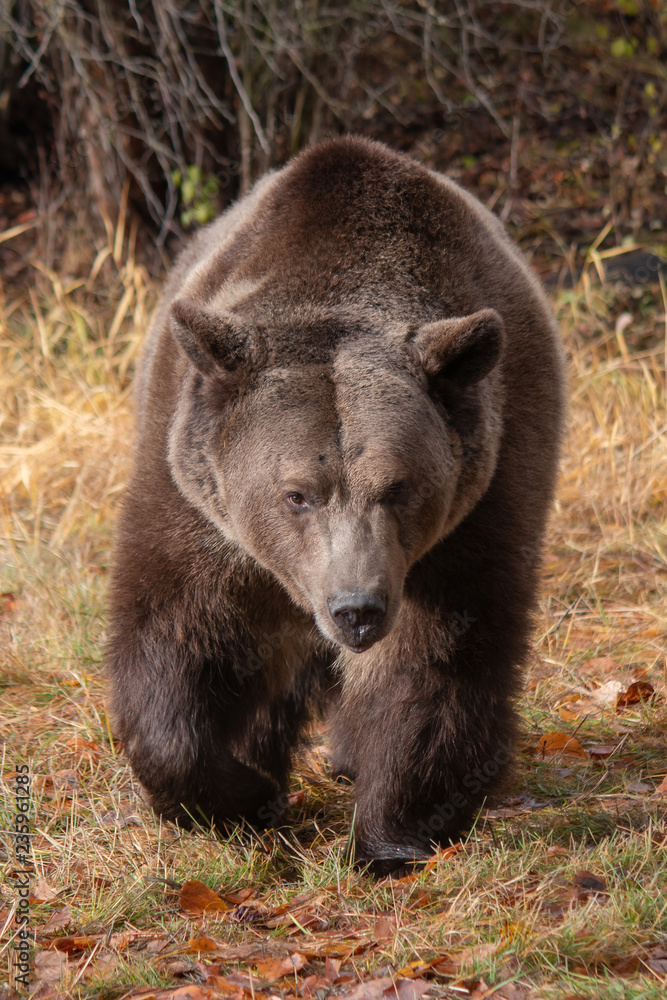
(349, 417)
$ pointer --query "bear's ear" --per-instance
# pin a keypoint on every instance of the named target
(216, 343)
(460, 351)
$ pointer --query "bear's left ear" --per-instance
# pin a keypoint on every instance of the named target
(460, 351)
(217, 344)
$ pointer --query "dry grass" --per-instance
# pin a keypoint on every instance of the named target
(110, 873)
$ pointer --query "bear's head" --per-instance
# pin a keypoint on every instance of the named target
(337, 467)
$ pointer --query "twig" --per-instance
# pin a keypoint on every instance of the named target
(234, 73)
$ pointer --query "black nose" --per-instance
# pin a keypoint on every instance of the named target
(357, 613)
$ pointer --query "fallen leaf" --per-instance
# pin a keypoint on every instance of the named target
(384, 929)
(413, 969)
(372, 989)
(661, 788)
(407, 989)
(331, 969)
(50, 966)
(657, 960)
(203, 945)
(8, 603)
(552, 743)
(312, 921)
(587, 880)
(249, 953)
(638, 787)
(195, 897)
(271, 969)
(638, 691)
(312, 983)
(223, 987)
(607, 694)
(602, 751)
(58, 921)
(628, 966)
(81, 942)
(78, 745)
(239, 896)
(337, 946)
(42, 892)
(121, 940)
(443, 854)
(157, 944)
(421, 901)
(177, 966)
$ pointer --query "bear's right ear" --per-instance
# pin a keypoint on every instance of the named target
(214, 342)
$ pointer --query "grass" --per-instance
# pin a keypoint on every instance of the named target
(510, 913)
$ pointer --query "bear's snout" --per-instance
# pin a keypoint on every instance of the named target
(358, 615)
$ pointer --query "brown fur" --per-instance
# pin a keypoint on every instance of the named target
(350, 411)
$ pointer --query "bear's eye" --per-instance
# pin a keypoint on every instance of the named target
(396, 493)
(297, 501)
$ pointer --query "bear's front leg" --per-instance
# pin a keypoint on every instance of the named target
(177, 714)
(188, 684)
(427, 733)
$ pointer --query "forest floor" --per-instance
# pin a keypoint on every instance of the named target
(559, 891)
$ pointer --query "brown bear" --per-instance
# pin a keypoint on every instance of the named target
(349, 416)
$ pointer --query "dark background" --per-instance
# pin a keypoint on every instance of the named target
(552, 111)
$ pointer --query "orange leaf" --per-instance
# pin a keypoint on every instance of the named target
(312, 983)
(8, 603)
(443, 854)
(638, 691)
(413, 969)
(196, 897)
(77, 744)
(197, 945)
(552, 743)
(222, 985)
(77, 943)
(271, 969)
